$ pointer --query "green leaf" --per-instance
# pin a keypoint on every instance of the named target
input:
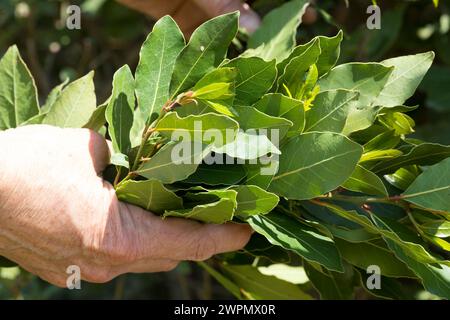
(404, 80)
(254, 78)
(18, 93)
(365, 181)
(251, 118)
(423, 154)
(75, 105)
(435, 276)
(120, 159)
(261, 174)
(205, 51)
(119, 112)
(228, 284)
(252, 200)
(431, 189)
(205, 127)
(53, 95)
(393, 232)
(278, 105)
(219, 211)
(217, 174)
(150, 195)
(330, 111)
(293, 75)
(368, 79)
(275, 38)
(174, 162)
(383, 141)
(255, 285)
(307, 160)
(330, 51)
(289, 233)
(365, 254)
(154, 72)
(98, 118)
(249, 146)
(331, 285)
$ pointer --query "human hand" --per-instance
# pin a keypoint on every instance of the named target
(56, 211)
(189, 14)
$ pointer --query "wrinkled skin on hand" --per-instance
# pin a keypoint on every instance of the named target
(57, 211)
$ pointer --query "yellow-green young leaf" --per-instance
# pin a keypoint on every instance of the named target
(403, 177)
(379, 155)
(437, 228)
(214, 91)
(330, 111)
(174, 162)
(253, 285)
(222, 74)
(307, 160)
(154, 72)
(383, 141)
(424, 154)
(254, 78)
(219, 211)
(252, 200)
(219, 128)
(220, 108)
(431, 189)
(18, 94)
(150, 195)
(205, 51)
(365, 181)
(404, 80)
(75, 105)
(275, 39)
(436, 3)
(278, 105)
(119, 112)
(401, 123)
(287, 232)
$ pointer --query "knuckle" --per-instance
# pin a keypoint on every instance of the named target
(204, 248)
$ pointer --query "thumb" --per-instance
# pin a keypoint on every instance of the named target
(249, 19)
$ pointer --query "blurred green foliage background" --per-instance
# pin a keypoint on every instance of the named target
(111, 35)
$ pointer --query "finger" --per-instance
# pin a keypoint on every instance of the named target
(100, 151)
(181, 239)
(154, 8)
(148, 266)
(189, 16)
(248, 19)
